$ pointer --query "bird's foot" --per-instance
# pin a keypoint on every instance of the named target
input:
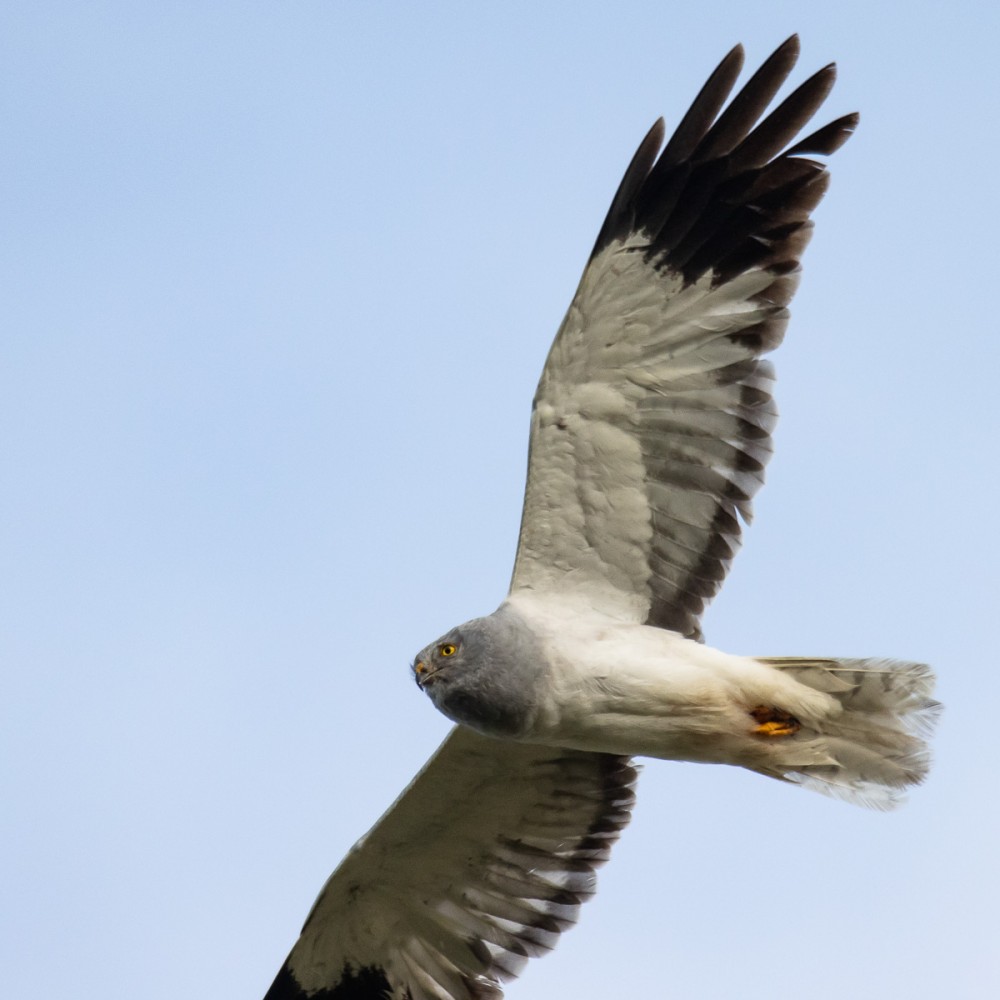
(774, 721)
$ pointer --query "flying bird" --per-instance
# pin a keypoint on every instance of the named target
(650, 431)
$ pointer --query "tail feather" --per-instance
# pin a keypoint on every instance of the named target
(875, 745)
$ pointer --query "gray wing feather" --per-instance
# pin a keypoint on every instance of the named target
(479, 865)
(652, 421)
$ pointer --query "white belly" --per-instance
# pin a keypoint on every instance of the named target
(633, 689)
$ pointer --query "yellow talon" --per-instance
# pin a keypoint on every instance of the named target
(774, 721)
(775, 729)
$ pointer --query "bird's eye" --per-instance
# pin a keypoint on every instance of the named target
(447, 649)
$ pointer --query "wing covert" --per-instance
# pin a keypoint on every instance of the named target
(652, 421)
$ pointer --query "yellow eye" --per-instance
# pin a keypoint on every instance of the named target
(447, 649)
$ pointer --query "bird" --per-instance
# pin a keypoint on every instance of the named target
(651, 427)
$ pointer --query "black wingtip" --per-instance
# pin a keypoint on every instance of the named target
(704, 109)
(792, 46)
(285, 987)
(369, 983)
(664, 195)
(828, 139)
(621, 214)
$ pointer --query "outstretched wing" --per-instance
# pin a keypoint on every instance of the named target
(479, 865)
(652, 421)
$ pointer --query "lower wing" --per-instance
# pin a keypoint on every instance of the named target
(479, 865)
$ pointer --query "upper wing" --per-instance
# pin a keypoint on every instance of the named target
(480, 864)
(652, 420)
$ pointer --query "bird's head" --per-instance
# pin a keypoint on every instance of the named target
(442, 661)
(480, 674)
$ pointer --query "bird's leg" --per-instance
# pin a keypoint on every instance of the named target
(774, 721)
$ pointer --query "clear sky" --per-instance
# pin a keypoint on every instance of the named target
(278, 282)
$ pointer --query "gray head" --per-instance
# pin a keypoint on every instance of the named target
(484, 674)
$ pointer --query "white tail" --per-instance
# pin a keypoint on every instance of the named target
(876, 746)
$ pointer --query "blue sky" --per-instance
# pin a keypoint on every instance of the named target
(279, 280)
